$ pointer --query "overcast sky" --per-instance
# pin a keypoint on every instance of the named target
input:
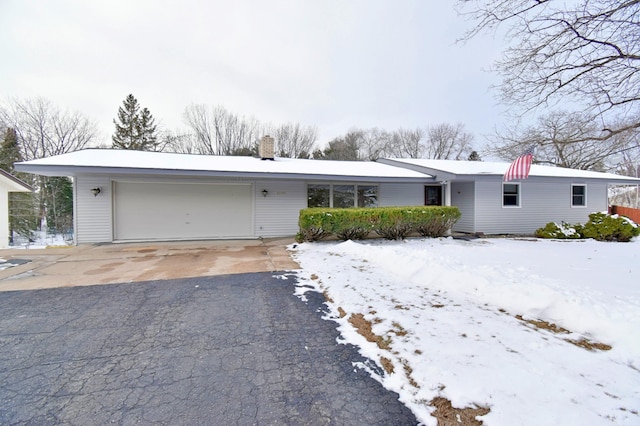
(335, 64)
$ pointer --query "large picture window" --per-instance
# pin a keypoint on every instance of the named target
(318, 195)
(511, 195)
(578, 195)
(342, 195)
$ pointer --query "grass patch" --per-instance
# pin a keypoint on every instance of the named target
(363, 327)
(582, 343)
(448, 415)
(387, 365)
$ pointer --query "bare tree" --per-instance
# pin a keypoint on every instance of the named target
(374, 143)
(406, 143)
(219, 132)
(564, 139)
(443, 141)
(44, 130)
(199, 120)
(448, 142)
(585, 51)
(294, 140)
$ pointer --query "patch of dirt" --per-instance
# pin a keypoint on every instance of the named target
(398, 329)
(363, 327)
(409, 371)
(592, 346)
(448, 415)
(387, 365)
(342, 312)
(583, 343)
(544, 325)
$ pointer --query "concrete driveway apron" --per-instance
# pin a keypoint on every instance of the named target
(132, 262)
(226, 350)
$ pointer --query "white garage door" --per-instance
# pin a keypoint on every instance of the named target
(150, 211)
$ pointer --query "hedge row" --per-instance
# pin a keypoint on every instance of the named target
(392, 223)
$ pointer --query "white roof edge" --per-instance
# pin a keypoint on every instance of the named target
(15, 184)
(144, 162)
(459, 168)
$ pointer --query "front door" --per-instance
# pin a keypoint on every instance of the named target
(433, 195)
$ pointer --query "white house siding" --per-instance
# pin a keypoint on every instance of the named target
(542, 200)
(4, 215)
(463, 197)
(93, 214)
(401, 194)
(277, 214)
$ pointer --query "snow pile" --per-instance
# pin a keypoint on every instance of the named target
(452, 319)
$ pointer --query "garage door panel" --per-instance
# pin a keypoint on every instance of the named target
(182, 211)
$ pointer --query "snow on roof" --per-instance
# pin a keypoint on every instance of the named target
(111, 160)
(498, 168)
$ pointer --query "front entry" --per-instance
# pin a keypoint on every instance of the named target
(433, 195)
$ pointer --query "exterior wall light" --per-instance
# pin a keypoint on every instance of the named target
(264, 192)
(95, 191)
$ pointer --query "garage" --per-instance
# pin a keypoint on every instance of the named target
(167, 211)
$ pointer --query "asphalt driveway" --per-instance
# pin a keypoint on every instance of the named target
(225, 350)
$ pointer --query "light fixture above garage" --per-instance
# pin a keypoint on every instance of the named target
(264, 192)
(95, 191)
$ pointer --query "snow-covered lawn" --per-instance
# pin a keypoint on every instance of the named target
(452, 319)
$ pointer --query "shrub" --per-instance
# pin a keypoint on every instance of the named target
(393, 223)
(601, 227)
(436, 222)
(314, 225)
(561, 231)
(604, 227)
(388, 222)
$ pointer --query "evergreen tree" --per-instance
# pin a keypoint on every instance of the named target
(135, 128)
(474, 156)
(147, 131)
(9, 151)
(22, 205)
(59, 205)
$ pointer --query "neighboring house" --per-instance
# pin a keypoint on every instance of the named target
(123, 195)
(8, 183)
(491, 206)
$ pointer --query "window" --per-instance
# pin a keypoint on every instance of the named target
(367, 196)
(511, 195)
(318, 195)
(342, 195)
(578, 195)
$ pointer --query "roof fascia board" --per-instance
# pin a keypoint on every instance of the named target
(16, 183)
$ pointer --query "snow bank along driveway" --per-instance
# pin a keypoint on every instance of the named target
(539, 332)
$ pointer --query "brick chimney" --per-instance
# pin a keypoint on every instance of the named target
(266, 148)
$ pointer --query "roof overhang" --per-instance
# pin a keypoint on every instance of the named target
(13, 183)
(110, 171)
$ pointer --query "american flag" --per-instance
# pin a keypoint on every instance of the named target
(520, 167)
